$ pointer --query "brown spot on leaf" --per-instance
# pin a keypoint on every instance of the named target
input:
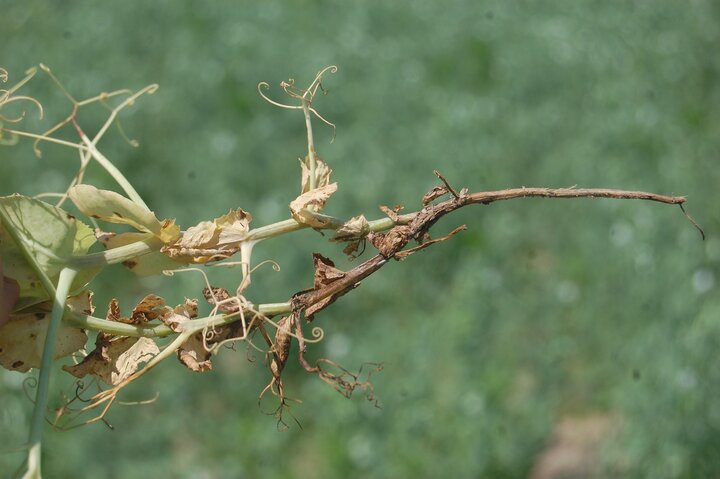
(17, 364)
(117, 214)
(129, 264)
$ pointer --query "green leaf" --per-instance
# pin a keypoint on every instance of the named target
(51, 235)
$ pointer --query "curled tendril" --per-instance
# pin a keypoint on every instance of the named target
(6, 96)
(266, 86)
(317, 332)
(306, 96)
(5, 99)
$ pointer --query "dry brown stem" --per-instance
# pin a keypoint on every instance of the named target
(390, 245)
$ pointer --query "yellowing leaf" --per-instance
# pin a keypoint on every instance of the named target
(114, 359)
(115, 208)
(23, 337)
(312, 200)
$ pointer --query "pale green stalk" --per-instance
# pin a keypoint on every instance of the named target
(43, 385)
(160, 330)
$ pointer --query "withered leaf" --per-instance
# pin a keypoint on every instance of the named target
(113, 313)
(218, 296)
(194, 355)
(355, 228)
(211, 240)
(151, 307)
(313, 200)
(325, 274)
(176, 317)
(325, 271)
(23, 337)
(322, 173)
(114, 359)
(281, 348)
(148, 309)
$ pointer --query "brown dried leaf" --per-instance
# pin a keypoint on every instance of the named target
(322, 173)
(113, 313)
(148, 309)
(219, 296)
(194, 355)
(211, 240)
(281, 348)
(114, 359)
(176, 317)
(23, 337)
(313, 200)
(151, 307)
(325, 274)
(354, 229)
(325, 271)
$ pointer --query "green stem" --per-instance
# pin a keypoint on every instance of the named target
(41, 397)
(115, 255)
(133, 250)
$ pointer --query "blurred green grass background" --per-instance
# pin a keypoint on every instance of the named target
(542, 310)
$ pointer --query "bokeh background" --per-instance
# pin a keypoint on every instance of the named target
(554, 336)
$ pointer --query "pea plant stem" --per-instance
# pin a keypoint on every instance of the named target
(43, 385)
